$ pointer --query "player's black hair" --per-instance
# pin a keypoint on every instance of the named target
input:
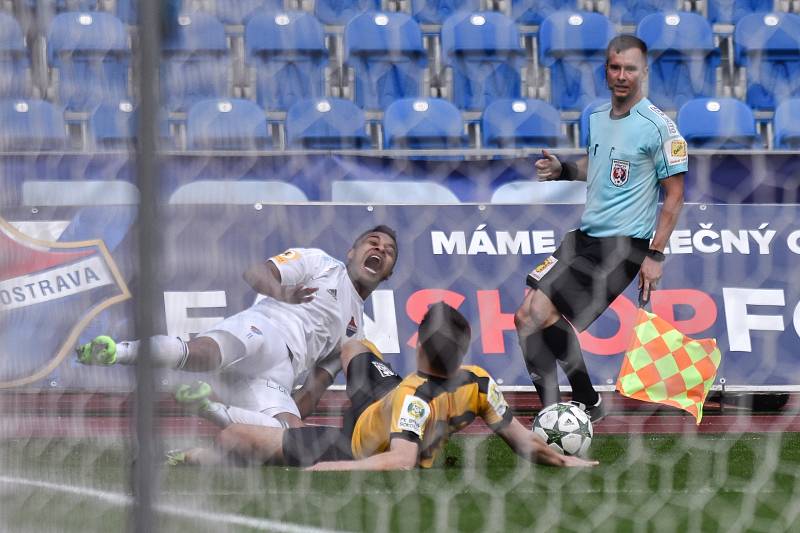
(444, 336)
(625, 42)
(380, 228)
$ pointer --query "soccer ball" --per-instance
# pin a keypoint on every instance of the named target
(565, 427)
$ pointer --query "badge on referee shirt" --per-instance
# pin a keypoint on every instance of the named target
(620, 170)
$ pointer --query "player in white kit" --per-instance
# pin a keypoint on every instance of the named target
(312, 304)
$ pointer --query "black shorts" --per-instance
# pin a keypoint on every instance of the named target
(588, 274)
(368, 380)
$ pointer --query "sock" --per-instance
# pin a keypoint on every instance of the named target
(541, 364)
(166, 352)
(563, 341)
(224, 415)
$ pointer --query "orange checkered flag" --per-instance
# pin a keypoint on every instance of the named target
(662, 365)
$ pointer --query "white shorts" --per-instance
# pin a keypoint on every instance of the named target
(256, 370)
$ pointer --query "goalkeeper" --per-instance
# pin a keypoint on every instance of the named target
(396, 423)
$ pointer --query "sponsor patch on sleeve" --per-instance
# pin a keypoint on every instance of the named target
(413, 415)
(285, 257)
(496, 398)
(543, 268)
(676, 151)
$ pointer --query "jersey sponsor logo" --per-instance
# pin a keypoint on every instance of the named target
(543, 268)
(620, 170)
(413, 415)
(332, 292)
(383, 369)
(496, 398)
(672, 129)
(352, 327)
(676, 151)
(64, 285)
(285, 257)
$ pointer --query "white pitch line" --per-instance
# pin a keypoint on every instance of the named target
(125, 500)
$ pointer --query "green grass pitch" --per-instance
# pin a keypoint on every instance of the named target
(748, 482)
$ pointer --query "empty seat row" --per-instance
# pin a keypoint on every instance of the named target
(89, 56)
(328, 123)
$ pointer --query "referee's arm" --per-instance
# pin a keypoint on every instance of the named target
(550, 168)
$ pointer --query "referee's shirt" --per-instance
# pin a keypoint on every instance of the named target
(628, 156)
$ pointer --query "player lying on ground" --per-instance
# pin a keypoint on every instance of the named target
(313, 302)
(395, 423)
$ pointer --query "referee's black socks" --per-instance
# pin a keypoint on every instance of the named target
(542, 349)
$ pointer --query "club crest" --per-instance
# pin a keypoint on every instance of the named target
(49, 292)
(619, 172)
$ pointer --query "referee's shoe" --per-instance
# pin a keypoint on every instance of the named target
(595, 412)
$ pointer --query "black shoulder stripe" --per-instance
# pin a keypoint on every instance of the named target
(430, 389)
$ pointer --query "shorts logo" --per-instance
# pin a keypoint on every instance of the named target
(253, 332)
(352, 327)
(383, 370)
(285, 257)
(619, 172)
(543, 268)
(676, 151)
(413, 415)
(332, 292)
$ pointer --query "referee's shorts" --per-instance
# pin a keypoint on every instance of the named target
(585, 274)
(368, 380)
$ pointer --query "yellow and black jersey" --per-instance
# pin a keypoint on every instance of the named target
(427, 410)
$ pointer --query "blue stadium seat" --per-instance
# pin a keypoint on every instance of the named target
(195, 62)
(437, 11)
(287, 52)
(15, 67)
(572, 45)
(392, 192)
(227, 124)
(423, 123)
(584, 120)
(486, 56)
(340, 12)
(511, 123)
(533, 12)
(633, 11)
(682, 57)
(90, 53)
(126, 11)
(326, 123)
(113, 126)
(239, 192)
(718, 123)
(31, 125)
(768, 46)
(238, 11)
(386, 54)
(787, 125)
(731, 11)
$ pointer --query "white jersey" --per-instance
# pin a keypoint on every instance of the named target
(312, 330)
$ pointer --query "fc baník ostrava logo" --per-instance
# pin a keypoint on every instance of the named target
(49, 292)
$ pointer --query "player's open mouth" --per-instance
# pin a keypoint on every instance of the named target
(373, 263)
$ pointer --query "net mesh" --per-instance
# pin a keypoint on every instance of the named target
(243, 177)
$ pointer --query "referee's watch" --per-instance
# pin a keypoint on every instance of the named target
(656, 256)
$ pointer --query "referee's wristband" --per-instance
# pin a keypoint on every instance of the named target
(656, 256)
(569, 171)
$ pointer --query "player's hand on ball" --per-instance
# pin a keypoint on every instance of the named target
(573, 461)
(298, 294)
(548, 167)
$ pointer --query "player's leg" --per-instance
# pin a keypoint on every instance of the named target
(257, 443)
(535, 316)
(201, 354)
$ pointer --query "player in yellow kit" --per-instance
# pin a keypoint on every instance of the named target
(396, 423)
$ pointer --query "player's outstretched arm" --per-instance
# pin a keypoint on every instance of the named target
(402, 455)
(307, 397)
(534, 449)
(265, 278)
